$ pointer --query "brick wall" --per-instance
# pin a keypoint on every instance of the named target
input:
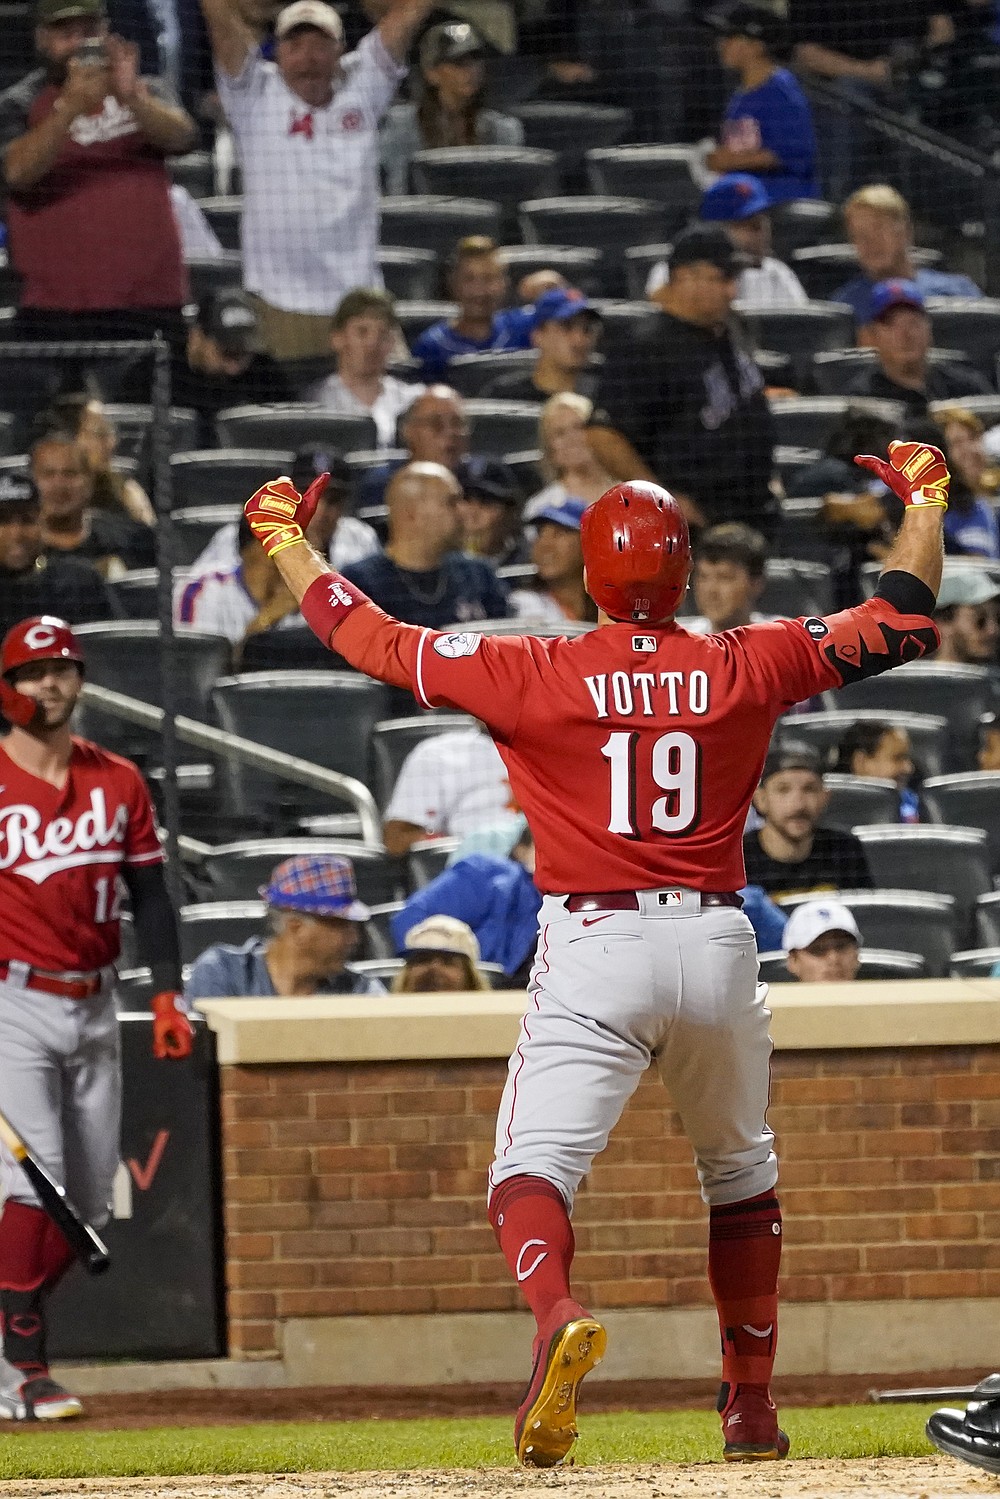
(359, 1188)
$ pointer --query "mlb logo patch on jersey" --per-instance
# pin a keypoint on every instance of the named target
(459, 644)
(646, 644)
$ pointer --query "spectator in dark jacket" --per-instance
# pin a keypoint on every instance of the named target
(32, 583)
(898, 328)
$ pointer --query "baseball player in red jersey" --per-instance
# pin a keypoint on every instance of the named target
(634, 751)
(77, 833)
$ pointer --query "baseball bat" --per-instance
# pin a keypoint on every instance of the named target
(85, 1242)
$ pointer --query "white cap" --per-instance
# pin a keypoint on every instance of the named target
(814, 918)
(309, 13)
(442, 934)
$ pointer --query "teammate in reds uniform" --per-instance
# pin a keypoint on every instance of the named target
(634, 751)
(74, 822)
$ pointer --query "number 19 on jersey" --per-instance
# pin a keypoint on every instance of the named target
(674, 767)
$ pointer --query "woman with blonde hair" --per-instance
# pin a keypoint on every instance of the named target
(971, 528)
(581, 457)
(83, 416)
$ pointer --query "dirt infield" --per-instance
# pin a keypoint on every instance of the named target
(880, 1478)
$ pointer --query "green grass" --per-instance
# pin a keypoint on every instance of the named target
(685, 1436)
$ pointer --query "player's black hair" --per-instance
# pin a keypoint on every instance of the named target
(863, 737)
(732, 541)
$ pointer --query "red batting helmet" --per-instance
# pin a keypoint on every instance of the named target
(43, 637)
(637, 552)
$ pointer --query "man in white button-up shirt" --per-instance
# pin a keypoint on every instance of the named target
(306, 129)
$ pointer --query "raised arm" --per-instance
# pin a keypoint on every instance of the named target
(163, 122)
(31, 155)
(232, 40)
(400, 24)
(918, 475)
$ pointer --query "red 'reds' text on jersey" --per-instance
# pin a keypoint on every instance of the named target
(61, 851)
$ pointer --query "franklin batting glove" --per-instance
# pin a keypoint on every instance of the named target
(279, 516)
(916, 472)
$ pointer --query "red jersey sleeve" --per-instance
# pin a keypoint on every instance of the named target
(792, 659)
(142, 844)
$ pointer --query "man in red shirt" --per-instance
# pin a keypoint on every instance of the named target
(634, 751)
(83, 141)
(77, 834)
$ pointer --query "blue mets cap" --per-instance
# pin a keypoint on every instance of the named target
(735, 196)
(886, 295)
(560, 303)
(568, 513)
(316, 885)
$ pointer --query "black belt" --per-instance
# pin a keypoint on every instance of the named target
(628, 900)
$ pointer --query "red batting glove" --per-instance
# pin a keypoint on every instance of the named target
(916, 472)
(17, 707)
(173, 1034)
(279, 516)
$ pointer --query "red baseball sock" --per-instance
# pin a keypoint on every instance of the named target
(23, 1231)
(533, 1230)
(744, 1251)
(57, 1256)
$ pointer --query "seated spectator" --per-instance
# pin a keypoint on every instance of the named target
(581, 457)
(83, 142)
(968, 618)
(878, 223)
(873, 748)
(559, 594)
(237, 601)
(692, 398)
(565, 329)
(477, 281)
(529, 290)
(71, 526)
(767, 919)
(493, 893)
(83, 417)
(898, 328)
(222, 364)
(342, 538)
(314, 921)
(490, 510)
(728, 578)
(739, 203)
(970, 522)
(440, 956)
(450, 785)
(433, 430)
(988, 753)
(767, 128)
(449, 109)
(791, 853)
(364, 337)
(822, 943)
(32, 583)
(421, 577)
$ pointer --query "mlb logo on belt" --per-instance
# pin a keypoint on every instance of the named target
(670, 898)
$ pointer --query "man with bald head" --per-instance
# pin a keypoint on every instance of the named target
(433, 430)
(421, 577)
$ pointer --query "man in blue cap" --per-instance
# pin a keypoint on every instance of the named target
(739, 203)
(898, 328)
(565, 329)
(560, 594)
(315, 920)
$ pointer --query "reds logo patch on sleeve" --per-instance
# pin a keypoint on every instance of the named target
(465, 643)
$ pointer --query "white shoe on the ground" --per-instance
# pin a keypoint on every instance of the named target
(38, 1399)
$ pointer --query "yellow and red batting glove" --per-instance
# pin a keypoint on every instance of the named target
(916, 472)
(17, 707)
(279, 516)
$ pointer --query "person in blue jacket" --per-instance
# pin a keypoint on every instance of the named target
(489, 886)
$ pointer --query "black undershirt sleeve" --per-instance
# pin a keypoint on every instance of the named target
(906, 593)
(155, 924)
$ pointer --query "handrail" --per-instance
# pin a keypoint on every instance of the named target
(289, 767)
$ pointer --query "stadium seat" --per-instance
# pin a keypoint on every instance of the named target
(193, 529)
(526, 467)
(414, 317)
(378, 929)
(987, 408)
(409, 274)
(639, 261)
(291, 426)
(859, 799)
(209, 922)
(807, 421)
(470, 374)
(293, 648)
(824, 269)
(133, 423)
(798, 331)
(945, 860)
(970, 324)
(125, 657)
(9, 437)
(209, 274)
(874, 963)
(393, 740)
(789, 459)
(928, 732)
(195, 170)
(428, 858)
(236, 871)
(325, 717)
(502, 174)
(969, 801)
(975, 962)
(303, 375)
(224, 215)
(581, 266)
(500, 427)
(988, 919)
(606, 224)
(427, 221)
(133, 990)
(801, 531)
(661, 174)
(210, 477)
(834, 371)
(793, 588)
(959, 694)
(136, 593)
(571, 130)
(901, 921)
(801, 221)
